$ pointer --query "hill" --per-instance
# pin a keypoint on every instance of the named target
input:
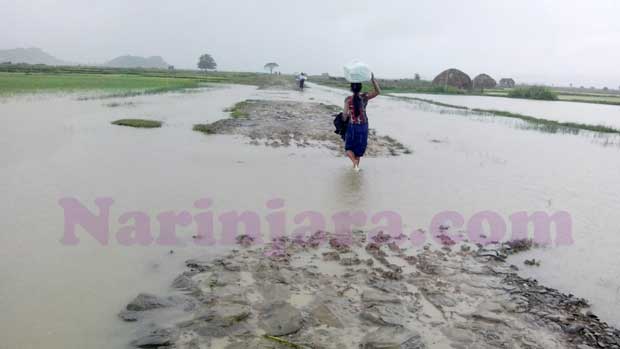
(31, 55)
(138, 62)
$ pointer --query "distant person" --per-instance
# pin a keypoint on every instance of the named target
(356, 138)
(301, 78)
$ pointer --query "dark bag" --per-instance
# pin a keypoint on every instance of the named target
(341, 126)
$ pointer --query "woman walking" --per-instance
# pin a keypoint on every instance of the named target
(356, 137)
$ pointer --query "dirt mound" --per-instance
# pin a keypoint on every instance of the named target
(454, 78)
(284, 123)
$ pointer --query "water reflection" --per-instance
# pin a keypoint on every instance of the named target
(351, 188)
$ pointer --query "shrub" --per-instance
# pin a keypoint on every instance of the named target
(534, 92)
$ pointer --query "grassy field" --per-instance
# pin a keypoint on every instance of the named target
(18, 78)
(24, 83)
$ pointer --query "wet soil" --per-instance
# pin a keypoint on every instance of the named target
(354, 291)
(286, 123)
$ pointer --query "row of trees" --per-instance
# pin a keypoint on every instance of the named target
(206, 62)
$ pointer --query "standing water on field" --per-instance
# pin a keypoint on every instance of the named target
(585, 113)
(54, 147)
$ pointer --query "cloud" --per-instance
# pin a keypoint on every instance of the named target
(554, 40)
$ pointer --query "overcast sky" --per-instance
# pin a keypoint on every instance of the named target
(553, 41)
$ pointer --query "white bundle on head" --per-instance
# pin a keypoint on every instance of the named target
(357, 71)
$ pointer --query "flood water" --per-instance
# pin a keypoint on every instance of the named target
(585, 113)
(57, 296)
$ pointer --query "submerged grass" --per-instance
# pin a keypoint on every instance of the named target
(593, 100)
(432, 89)
(430, 101)
(139, 123)
(576, 97)
(551, 126)
(204, 128)
(239, 110)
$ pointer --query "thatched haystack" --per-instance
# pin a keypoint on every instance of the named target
(454, 78)
(507, 83)
(483, 81)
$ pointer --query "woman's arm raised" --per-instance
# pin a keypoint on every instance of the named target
(375, 85)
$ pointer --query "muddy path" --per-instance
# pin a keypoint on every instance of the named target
(300, 124)
(354, 291)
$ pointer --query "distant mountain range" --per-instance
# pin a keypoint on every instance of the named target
(35, 55)
(31, 55)
(138, 62)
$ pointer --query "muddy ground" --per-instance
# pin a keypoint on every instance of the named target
(286, 123)
(350, 291)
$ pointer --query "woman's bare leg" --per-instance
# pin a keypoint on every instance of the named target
(351, 156)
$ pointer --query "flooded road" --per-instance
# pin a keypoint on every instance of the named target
(58, 296)
(585, 113)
